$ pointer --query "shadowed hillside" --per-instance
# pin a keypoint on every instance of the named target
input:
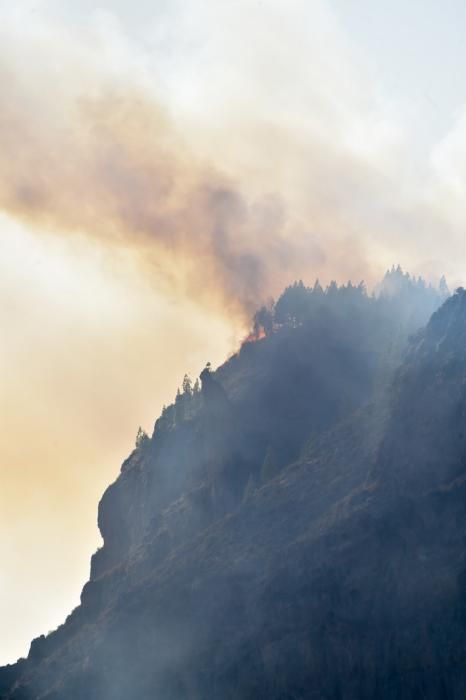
(293, 528)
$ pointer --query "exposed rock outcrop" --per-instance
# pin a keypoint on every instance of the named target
(340, 575)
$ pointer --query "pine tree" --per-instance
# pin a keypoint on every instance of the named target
(187, 386)
(141, 438)
(443, 288)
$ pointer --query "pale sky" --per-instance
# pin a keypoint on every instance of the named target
(334, 131)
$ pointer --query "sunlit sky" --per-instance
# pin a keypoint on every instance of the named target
(338, 130)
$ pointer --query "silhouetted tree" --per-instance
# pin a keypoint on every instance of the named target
(205, 375)
(141, 437)
(292, 308)
(317, 289)
(443, 288)
(187, 386)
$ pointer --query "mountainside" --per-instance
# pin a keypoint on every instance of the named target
(294, 529)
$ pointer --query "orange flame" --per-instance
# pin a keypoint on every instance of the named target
(254, 336)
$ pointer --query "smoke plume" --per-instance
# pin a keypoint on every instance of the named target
(89, 153)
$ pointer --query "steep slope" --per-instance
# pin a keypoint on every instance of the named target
(428, 425)
(253, 417)
(226, 573)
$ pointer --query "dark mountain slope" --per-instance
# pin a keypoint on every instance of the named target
(342, 576)
(254, 416)
(428, 425)
(218, 588)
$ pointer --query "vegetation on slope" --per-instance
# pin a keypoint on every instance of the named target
(261, 543)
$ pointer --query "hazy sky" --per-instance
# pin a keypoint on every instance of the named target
(164, 166)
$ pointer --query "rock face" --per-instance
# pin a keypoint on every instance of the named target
(296, 530)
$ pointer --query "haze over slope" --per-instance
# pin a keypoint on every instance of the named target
(292, 528)
(166, 167)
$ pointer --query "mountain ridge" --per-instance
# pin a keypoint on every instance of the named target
(265, 571)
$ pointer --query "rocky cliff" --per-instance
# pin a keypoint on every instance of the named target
(294, 530)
